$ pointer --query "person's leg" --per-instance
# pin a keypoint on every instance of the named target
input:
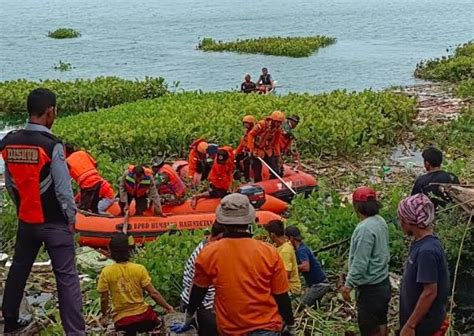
(206, 320)
(272, 161)
(257, 169)
(59, 242)
(315, 293)
(141, 204)
(26, 248)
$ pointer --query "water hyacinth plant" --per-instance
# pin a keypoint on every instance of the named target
(62, 66)
(277, 46)
(454, 68)
(81, 95)
(64, 33)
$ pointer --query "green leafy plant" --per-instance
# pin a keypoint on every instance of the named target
(64, 33)
(165, 259)
(336, 123)
(63, 66)
(454, 68)
(81, 95)
(278, 46)
(465, 89)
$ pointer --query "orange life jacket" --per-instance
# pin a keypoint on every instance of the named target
(263, 140)
(222, 175)
(243, 145)
(27, 156)
(175, 185)
(83, 168)
(194, 157)
(142, 188)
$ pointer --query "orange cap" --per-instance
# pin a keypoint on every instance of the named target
(277, 116)
(202, 147)
(249, 119)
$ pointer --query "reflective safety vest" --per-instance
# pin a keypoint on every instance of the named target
(81, 167)
(221, 175)
(263, 140)
(194, 157)
(175, 185)
(140, 189)
(27, 156)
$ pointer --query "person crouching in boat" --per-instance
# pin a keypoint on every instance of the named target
(138, 184)
(124, 283)
(220, 177)
(242, 153)
(264, 143)
(248, 86)
(265, 82)
(200, 160)
(96, 194)
(287, 140)
(170, 186)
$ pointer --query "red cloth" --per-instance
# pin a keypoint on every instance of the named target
(149, 315)
(444, 328)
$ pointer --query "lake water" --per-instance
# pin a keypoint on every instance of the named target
(379, 41)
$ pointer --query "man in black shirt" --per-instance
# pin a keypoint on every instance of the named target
(432, 161)
(265, 82)
(248, 86)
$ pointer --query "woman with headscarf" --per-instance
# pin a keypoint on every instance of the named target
(425, 283)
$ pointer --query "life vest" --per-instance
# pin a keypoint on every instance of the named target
(142, 188)
(194, 158)
(175, 185)
(265, 79)
(263, 140)
(81, 167)
(243, 146)
(221, 175)
(27, 156)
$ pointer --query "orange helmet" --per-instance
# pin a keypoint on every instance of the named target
(249, 119)
(277, 116)
(202, 147)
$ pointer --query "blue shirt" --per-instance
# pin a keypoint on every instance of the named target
(426, 264)
(316, 274)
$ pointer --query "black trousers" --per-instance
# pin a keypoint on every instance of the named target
(141, 204)
(243, 165)
(272, 161)
(206, 319)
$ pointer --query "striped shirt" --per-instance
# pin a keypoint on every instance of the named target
(188, 277)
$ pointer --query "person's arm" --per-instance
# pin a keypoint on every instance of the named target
(303, 259)
(427, 274)
(155, 198)
(10, 186)
(104, 303)
(158, 298)
(103, 289)
(192, 163)
(251, 137)
(62, 184)
(284, 308)
(122, 191)
(427, 297)
(304, 266)
(363, 245)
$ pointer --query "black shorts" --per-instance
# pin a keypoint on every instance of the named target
(372, 306)
(217, 192)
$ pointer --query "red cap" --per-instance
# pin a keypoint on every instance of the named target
(363, 194)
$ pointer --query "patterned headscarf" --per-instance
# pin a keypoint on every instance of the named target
(416, 210)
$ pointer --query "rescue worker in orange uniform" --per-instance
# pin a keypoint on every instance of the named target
(287, 139)
(220, 177)
(170, 186)
(38, 181)
(138, 184)
(96, 194)
(200, 160)
(264, 143)
(242, 154)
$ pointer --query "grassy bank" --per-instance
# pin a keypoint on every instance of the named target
(80, 95)
(277, 46)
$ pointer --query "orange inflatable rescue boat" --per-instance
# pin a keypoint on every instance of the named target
(96, 231)
(301, 182)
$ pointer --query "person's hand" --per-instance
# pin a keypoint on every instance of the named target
(290, 330)
(169, 309)
(196, 179)
(160, 213)
(346, 293)
(180, 328)
(407, 331)
(194, 202)
(104, 321)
